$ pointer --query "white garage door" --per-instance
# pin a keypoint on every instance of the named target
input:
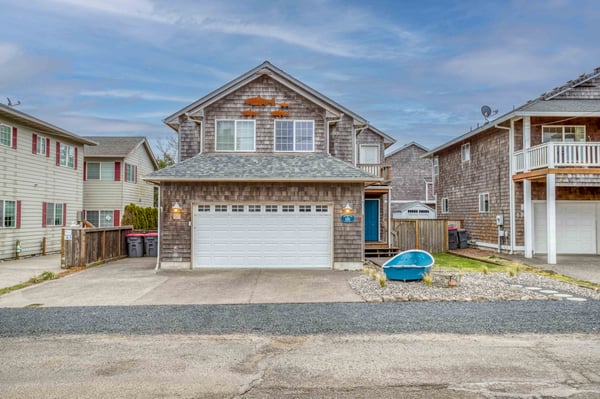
(576, 230)
(263, 236)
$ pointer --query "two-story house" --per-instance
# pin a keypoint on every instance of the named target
(112, 178)
(529, 181)
(267, 177)
(412, 182)
(41, 186)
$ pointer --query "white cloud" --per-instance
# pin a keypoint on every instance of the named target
(18, 66)
(135, 94)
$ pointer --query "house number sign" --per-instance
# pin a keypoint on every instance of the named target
(347, 218)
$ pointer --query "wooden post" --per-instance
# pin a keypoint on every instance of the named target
(103, 245)
(83, 258)
(417, 234)
(17, 256)
(44, 246)
(62, 249)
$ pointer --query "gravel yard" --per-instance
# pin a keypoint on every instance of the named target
(473, 287)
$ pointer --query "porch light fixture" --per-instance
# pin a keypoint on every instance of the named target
(347, 210)
(176, 211)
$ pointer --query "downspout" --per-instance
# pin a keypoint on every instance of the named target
(157, 268)
(355, 149)
(511, 189)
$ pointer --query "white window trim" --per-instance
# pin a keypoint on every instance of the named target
(465, 152)
(10, 135)
(436, 165)
(87, 170)
(112, 213)
(481, 200)
(3, 213)
(369, 145)
(43, 140)
(55, 206)
(70, 150)
(563, 133)
(134, 172)
(235, 122)
(294, 134)
(445, 205)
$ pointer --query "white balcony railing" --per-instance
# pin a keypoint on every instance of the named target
(557, 155)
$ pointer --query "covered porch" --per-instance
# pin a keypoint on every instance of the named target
(377, 217)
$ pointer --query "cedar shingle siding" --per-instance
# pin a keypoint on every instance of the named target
(409, 172)
(176, 235)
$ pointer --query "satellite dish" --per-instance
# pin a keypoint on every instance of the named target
(486, 111)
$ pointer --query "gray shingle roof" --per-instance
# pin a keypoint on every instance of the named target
(558, 105)
(117, 147)
(262, 167)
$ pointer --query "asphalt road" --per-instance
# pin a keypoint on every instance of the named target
(517, 317)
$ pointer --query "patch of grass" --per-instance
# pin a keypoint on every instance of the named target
(450, 261)
(34, 280)
(382, 279)
(428, 279)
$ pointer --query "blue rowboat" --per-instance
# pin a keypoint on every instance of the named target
(408, 265)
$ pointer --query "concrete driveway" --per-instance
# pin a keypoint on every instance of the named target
(133, 281)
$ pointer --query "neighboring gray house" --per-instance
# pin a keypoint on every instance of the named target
(529, 181)
(270, 175)
(41, 186)
(112, 178)
(411, 180)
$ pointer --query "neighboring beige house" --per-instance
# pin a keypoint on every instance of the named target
(112, 178)
(41, 186)
(272, 174)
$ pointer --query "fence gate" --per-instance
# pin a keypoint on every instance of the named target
(430, 235)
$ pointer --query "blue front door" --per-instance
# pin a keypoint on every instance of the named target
(371, 220)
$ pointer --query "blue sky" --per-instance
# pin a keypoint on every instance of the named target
(418, 70)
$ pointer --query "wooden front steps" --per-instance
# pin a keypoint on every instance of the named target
(379, 250)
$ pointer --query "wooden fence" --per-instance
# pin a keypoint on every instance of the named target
(86, 246)
(430, 235)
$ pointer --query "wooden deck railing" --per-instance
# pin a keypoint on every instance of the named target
(377, 169)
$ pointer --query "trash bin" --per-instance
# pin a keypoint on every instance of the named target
(135, 245)
(452, 238)
(150, 244)
(462, 239)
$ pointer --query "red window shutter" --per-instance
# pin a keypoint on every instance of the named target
(57, 153)
(75, 160)
(84, 171)
(18, 214)
(117, 171)
(64, 214)
(44, 214)
(47, 148)
(34, 144)
(14, 137)
(116, 218)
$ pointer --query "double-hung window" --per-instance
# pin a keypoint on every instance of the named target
(445, 208)
(568, 134)
(41, 145)
(67, 155)
(5, 135)
(465, 152)
(234, 135)
(130, 173)
(8, 213)
(294, 135)
(100, 170)
(484, 202)
(436, 165)
(54, 214)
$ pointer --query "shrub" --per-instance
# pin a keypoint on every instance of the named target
(140, 218)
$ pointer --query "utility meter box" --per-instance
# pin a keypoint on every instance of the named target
(499, 220)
